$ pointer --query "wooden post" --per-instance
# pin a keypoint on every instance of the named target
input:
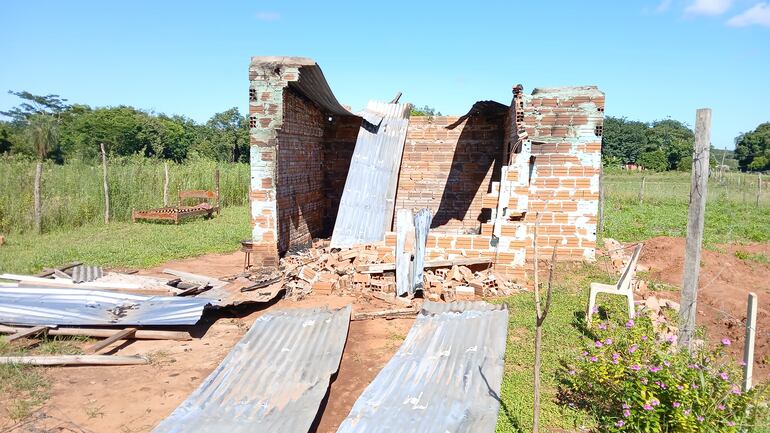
(759, 187)
(641, 189)
(695, 215)
(751, 335)
(165, 184)
(106, 186)
(600, 228)
(540, 314)
(216, 189)
(37, 200)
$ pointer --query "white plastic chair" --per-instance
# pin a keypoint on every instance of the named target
(623, 287)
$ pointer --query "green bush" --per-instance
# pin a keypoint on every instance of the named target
(632, 382)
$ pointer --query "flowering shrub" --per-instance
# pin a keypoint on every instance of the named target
(635, 383)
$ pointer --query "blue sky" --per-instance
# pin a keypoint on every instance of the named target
(653, 59)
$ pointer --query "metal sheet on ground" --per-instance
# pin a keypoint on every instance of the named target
(446, 376)
(273, 380)
(60, 306)
(368, 200)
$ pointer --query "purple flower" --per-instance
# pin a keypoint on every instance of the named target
(598, 343)
(726, 342)
(585, 353)
(593, 359)
(595, 309)
(647, 407)
(644, 337)
(626, 413)
(630, 323)
(666, 363)
(635, 367)
(730, 423)
(736, 390)
(679, 387)
(671, 338)
(572, 372)
(633, 348)
(694, 386)
(654, 402)
(625, 406)
(700, 418)
(721, 407)
(655, 369)
(724, 376)
(687, 411)
(608, 341)
(620, 423)
(603, 326)
(676, 404)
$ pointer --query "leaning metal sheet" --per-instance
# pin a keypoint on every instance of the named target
(65, 306)
(446, 376)
(272, 381)
(368, 199)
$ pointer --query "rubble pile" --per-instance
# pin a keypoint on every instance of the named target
(323, 270)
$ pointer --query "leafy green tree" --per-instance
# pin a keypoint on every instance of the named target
(43, 135)
(8, 138)
(229, 135)
(623, 139)
(674, 138)
(752, 149)
(424, 111)
(33, 105)
(655, 160)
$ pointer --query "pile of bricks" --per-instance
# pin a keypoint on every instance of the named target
(323, 270)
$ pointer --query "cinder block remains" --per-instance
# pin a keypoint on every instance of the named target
(485, 175)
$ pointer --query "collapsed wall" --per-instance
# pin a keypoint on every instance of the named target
(484, 175)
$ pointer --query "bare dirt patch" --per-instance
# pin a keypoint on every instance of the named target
(725, 282)
(134, 399)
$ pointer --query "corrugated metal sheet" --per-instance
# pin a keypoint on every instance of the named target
(85, 273)
(445, 377)
(272, 381)
(55, 306)
(368, 200)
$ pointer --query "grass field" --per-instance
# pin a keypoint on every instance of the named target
(124, 244)
(72, 194)
(662, 210)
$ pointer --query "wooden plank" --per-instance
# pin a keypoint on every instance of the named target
(402, 313)
(49, 272)
(377, 268)
(74, 360)
(141, 334)
(120, 335)
(106, 186)
(751, 336)
(197, 193)
(25, 333)
(695, 218)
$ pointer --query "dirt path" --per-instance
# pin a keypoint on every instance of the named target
(725, 282)
(133, 399)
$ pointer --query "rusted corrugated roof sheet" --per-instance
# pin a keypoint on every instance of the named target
(56, 306)
(446, 376)
(311, 82)
(368, 200)
(272, 381)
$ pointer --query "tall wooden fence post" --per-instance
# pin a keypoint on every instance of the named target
(37, 199)
(216, 188)
(641, 189)
(751, 335)
(695, 215)
(759, 187)
(106, 186)
(165, 184)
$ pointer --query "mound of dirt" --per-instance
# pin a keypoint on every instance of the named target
(725, 282)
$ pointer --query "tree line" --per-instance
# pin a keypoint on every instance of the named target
(667, 145)
(48, 128)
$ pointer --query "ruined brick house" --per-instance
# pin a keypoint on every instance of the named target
(485, 174)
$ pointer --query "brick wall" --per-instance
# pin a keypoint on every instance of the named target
(299, 172)
(339, 144)
(448, 166)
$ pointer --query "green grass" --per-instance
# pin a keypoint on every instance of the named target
(663, 210)
(125, 244)
(561, 338)
(72, 194)
(756, 257)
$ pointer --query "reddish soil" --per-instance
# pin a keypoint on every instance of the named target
(725, 282)
(133, 399)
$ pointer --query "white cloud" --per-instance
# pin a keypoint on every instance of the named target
(268, 16)
(759, 14)
(663, 6)
(708, 7)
